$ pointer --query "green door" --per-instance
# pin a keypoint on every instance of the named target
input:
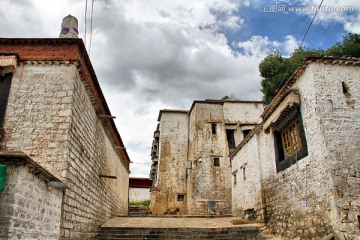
(2, 177)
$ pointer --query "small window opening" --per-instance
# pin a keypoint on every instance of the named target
(345, 87)
(234, 178)
(180, 197)
(243, 170)
(246, 132)
(359, 220)
(230, 138)
(249, 213)
(213, 128)
(216, 162)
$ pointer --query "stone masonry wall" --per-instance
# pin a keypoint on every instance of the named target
(37, 119)
(91, 200)
(338, 103)
(246, 181)
(297, 199)
(317, 195)
(50, 117)
(29, 209)
(208, 183)
(171, 166)
(137, 194)
(244, 114)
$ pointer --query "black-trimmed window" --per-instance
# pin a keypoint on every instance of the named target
(246, 132)
(216, 161)
(290, 140)
(230, 138)
(180, 197)
(213, 128)
(234, 178)
(5, 84)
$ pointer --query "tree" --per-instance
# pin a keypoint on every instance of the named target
(231, 98)
(349, 47)
(276, 69)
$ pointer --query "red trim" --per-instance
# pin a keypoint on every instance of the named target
(140, 182)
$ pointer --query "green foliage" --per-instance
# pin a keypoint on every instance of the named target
(349, 47)
(225, 98)
(143, 203)
(276, 69)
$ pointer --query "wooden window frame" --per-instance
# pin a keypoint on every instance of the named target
(290, 153)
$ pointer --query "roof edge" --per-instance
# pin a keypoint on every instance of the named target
(170, 111)
(84, 61)
(299, 71)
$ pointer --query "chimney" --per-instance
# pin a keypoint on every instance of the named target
(69, 27)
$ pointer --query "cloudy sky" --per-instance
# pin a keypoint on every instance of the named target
(155, 54)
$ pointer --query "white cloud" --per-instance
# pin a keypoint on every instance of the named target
(290, 44)
(346, 12)
(165, 56)
(257, 46)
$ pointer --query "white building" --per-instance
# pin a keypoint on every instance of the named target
(299, 170)
(191, 167)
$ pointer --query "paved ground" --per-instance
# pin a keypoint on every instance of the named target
(175, 222)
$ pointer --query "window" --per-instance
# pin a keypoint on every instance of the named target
(234, 178)
(243, 171)
(246, 132)
(5, 83)
(213, 128)
(290, 141)
(230, 138)
(180, 197)
(217, 162)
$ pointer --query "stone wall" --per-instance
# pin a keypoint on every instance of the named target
(37, 119)
(318, 194)
(91, 200)
(246, 181)
(204, 185)
(50, 117)
(338, 103)
(171, 167)
(208, 183)
(137, 194)
(209, 190)
(29, 209)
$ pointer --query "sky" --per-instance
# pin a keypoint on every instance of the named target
(150, 55)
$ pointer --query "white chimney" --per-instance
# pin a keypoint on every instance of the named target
(69, 27)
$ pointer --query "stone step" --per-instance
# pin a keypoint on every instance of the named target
(179, 233)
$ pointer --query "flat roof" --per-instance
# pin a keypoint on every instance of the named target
(171, 111)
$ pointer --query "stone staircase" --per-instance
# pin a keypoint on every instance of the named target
(139, 211)
(238, 233)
